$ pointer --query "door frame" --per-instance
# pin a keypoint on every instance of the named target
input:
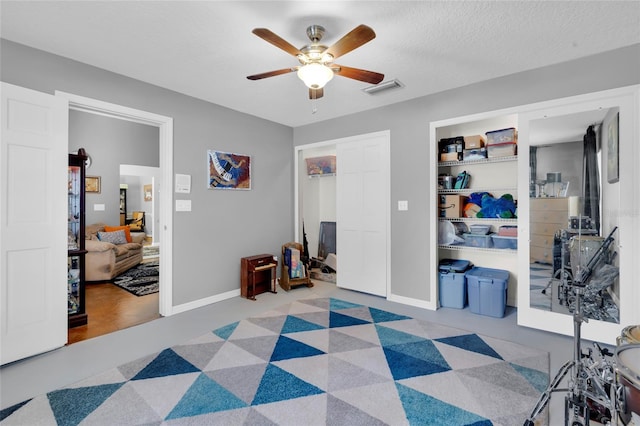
(165, 130)
(296, 187)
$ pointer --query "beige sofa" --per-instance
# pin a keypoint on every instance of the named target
(104, 260)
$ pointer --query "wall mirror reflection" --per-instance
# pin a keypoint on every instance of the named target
(573, 237)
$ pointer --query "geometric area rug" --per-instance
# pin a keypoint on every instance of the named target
(140, 280)
(318, 361)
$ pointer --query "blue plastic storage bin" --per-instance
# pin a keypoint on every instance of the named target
(487, 291)
(477, 240)
(502, 242)
(452, 284)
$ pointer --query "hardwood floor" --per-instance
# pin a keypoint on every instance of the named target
(111, 308)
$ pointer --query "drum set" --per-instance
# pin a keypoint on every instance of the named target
(601, 386)
(573, 248)
(627, 361)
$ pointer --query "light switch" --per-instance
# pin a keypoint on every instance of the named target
(403, 205)
(98, 207)
(183, 205)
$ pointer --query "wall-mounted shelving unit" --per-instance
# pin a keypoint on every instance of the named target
(497, 176)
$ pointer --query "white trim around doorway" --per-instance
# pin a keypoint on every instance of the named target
(165, 130)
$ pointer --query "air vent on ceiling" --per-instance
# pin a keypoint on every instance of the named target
(385, 85)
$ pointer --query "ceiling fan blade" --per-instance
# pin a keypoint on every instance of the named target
(316, 93)
(354, 39)
(270, 74)
(276, 40)
(358, 74)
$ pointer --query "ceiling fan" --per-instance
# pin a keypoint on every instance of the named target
(316, 60)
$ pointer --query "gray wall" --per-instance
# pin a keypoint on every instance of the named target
(224, 225)
(111, 142)
(411, 148)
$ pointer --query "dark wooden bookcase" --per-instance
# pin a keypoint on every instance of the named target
(75, 239)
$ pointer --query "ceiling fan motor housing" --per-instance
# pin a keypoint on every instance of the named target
(315, 33)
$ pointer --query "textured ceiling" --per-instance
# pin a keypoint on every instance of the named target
(205, 49)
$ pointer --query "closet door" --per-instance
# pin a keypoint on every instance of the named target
(33, 219)
(362, 213)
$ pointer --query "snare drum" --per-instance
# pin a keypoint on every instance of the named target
(629, 335)
(627, 360)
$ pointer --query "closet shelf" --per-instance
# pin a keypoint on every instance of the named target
(477, 162)
(481, 249)
(479, 219)
(472, 190)
(319, 175)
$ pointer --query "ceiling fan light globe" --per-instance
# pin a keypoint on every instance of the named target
(326, 58)
(315, 75)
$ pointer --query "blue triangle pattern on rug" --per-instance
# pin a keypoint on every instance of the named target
(287, 348)
(357, 384)
(67, 410)
(404, 366)
(422, 409)
(279, 385)
(470, 342)
(389, 336)
(205, 396)
(340, 320)
(537, 277)
(167, 363)
(424, 350)
(379, 315)
(538, 379)
(9, 410)
(226, 331)
(337, 304)
(294, 325)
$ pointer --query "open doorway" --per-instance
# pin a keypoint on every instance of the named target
(162, 217)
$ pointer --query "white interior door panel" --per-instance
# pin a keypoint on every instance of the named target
(362, 212)
(33, 217)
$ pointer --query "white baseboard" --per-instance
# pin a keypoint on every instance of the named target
(204, 302)
(424, 304)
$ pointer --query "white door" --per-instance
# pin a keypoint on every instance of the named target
(33, 217)
(362, 213)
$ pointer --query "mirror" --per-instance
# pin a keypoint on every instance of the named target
(551, 189)
(568, 233)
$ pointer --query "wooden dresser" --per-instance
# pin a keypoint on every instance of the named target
(547, 215)
(257, 275)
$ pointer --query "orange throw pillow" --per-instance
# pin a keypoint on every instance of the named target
(127, 231)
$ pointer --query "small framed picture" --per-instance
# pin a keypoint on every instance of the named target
(92, 184)
(148, 192)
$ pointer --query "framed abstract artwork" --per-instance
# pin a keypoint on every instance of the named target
(228, 170)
